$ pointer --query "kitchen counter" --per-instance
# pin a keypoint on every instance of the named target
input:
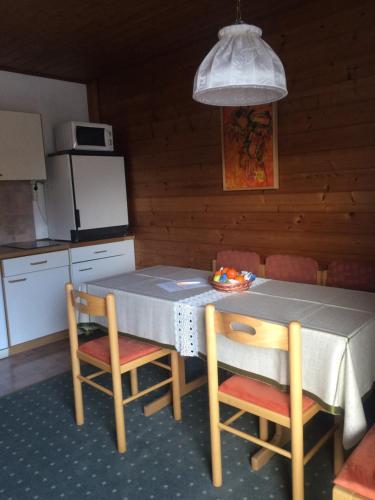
(10, 253)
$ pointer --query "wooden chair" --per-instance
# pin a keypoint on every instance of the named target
(116, 355)
(356, 479)
(247, 395)
(240, 260)
(293, 268)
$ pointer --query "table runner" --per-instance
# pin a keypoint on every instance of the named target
(338, 329)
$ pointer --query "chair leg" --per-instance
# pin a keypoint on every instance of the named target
(176, 395)
(297, 467)
(263, 429)
(119, 411)
(217, 475)
(134, 381)
(77, 389)
(217, 478)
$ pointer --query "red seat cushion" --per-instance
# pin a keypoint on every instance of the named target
(358, 472)
(242, 261)
(261, 394)
(292, 268)
(129, 349)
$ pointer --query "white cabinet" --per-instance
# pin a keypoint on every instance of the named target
(99, 261)
(34, 286)
(21, 146)
(3, 327)
(35, 298)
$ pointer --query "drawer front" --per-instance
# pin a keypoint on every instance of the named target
(81, 254)
(102, 268)
(36, 262)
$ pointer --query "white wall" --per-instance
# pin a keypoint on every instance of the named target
(56, 101)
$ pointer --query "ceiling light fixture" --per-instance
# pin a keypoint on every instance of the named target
(240, 70)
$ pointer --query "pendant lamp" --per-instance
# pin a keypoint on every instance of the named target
(240, 70)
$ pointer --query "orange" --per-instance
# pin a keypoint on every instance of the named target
(231, 273)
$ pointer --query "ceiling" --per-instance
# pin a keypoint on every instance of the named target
(82, 40)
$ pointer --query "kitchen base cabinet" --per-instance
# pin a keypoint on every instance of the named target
(35, 301)
(4, 351)
(97, 269)
(34, 287)
(94, 262)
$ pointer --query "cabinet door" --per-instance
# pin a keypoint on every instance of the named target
(100, 268)
(21, 146)
(35, 304)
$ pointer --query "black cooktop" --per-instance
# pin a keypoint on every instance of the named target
(28, 245)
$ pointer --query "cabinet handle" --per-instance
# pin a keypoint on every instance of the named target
(101, 251)
(38, 262)
(85, 269)
(17, 281)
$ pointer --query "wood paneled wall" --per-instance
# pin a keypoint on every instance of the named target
(325, 205)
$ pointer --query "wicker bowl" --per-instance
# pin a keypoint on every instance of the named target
(231, 287)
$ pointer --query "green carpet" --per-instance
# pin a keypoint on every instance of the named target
(45, 456)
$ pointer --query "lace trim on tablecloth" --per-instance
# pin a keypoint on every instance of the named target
(186, 318)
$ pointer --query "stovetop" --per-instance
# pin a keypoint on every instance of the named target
(29, 245)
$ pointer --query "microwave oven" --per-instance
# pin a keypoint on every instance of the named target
(83, 136)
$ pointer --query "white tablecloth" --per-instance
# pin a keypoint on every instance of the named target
(338, 330)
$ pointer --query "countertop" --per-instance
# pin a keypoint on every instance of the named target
(10, 253)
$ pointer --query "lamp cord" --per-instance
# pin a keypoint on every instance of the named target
(238, 13)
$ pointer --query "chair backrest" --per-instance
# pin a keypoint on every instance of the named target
(255, 332)
(292, 268)
(351, 274)
(92, 305)
(242, 261)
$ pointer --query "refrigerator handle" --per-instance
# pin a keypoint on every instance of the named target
(77, 217)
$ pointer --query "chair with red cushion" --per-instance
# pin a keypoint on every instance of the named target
(356, 479)
(292, 268)
(240, 260)
(116, 355)
(287, 410)
(351, 274)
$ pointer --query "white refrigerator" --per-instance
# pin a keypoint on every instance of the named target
(86, 197)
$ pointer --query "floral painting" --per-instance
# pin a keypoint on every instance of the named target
(249, 143)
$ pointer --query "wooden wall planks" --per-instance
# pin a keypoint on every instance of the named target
(325, 206)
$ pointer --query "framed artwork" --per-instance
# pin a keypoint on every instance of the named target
(249, 147)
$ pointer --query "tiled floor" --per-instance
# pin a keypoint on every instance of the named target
(29, 367)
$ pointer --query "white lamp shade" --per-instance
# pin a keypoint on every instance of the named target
(240, 70)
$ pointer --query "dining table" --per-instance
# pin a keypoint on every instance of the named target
(165, 304)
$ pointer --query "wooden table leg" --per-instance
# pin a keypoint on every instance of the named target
(261, 457)
(185, 388)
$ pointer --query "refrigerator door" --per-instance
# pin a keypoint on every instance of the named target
(100, 191)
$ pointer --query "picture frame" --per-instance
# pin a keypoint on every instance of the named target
(249, 147)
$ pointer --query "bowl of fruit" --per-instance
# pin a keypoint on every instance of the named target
(228, 279)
